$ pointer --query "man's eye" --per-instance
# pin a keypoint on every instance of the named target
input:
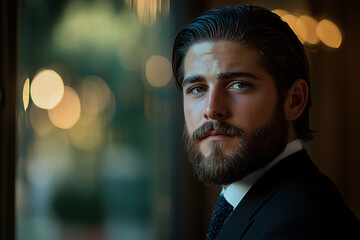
(196, 90)
(240, 85)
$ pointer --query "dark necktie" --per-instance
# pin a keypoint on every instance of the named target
(220, 214)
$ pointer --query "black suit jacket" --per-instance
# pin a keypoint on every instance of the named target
(293, 200)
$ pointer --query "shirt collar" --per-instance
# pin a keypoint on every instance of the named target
(235, 192)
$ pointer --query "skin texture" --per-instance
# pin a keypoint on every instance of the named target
(247, 102)
(235, 122)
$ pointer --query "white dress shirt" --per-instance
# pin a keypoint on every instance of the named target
(235, 192)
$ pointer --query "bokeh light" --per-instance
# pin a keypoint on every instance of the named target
(148, 9)
(87, 133)
(280, 12)
(40, 121)
(301, 30)
(97, 99)
(158, 71)
(67, 112)
(94, 95)
(26, 93)
(329, 33)
(296, 25)
(47, 89)
(311, 25)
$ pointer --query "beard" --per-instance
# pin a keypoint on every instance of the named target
(253, 152)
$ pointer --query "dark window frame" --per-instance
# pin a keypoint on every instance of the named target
(8, 85)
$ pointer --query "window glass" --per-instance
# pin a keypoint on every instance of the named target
(93, 114)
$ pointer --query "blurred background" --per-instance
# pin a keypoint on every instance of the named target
(91, 121)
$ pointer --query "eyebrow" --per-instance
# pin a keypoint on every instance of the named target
(220, 76)
(229, 75)
(192, 79)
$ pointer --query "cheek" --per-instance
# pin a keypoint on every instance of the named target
(255, 112)
(193, 116)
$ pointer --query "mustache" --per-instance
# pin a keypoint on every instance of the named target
(220, 127)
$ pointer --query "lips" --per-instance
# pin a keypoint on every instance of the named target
(216, 130)
(215, 135)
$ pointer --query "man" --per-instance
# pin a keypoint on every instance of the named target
(246, 89)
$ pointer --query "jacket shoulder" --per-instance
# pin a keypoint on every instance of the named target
(293, 200)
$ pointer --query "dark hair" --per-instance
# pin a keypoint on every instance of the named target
(281, 53)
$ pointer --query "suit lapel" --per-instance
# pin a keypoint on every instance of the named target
(273, 180)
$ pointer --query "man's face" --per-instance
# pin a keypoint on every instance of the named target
(234, 121)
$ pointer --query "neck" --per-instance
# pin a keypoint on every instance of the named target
(291, 133)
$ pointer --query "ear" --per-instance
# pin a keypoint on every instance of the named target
(296, 99)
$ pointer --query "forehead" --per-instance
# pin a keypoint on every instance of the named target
(213, 56)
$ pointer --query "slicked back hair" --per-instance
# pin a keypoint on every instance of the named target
(281, 53)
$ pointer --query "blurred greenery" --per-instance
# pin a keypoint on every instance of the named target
(118, 179)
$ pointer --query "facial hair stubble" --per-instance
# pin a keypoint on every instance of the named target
(252, 153)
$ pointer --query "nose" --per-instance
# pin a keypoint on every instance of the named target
(216, 108)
